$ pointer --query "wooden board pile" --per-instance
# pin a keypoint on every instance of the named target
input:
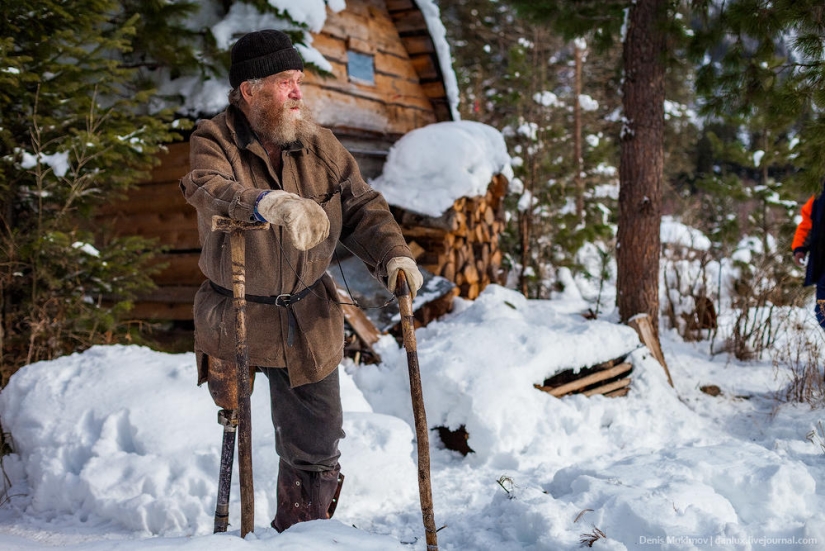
(611, 379)
(461, 245)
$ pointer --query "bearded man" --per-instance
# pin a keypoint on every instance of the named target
(264, 159)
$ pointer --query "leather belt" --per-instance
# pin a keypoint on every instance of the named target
(284, 300)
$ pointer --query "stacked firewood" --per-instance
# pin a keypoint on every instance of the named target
(462, 244)
(610, 378)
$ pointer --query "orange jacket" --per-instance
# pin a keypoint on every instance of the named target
(803, 230)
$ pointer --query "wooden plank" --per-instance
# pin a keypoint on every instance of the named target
(178, 239)
(376, 27)
(432, 233)
(617, 393)
(156, 222)
(394, 66)
(159, 197)
(358, 8)
(373, 5)
(336, 108)
(172, 294)
(165, 303)
(418, 45)
(161, 311)
(181, 269)
(172, 239)
(364, 46)
(359, 322)
(409, 21)
(174, 164)
(425, 67)
(442, 110)
(406, 91)
(388, 40)
(586, 381)
(397, 5)
(417, 117)
(333, 48)
(641, 323)
(434, 90)
(175, 230)
(609, 387)
(346, 23)
(435, 309)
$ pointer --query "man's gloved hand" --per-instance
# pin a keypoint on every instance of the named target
(304, 220)
(799, 258)
(414, 278)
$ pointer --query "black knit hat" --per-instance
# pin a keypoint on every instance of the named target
(260, 54)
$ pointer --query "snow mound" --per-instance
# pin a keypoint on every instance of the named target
(150, 463)
(499, 407)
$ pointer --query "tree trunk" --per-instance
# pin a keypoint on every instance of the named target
(524, 234)
(640, 170)
(577, 136)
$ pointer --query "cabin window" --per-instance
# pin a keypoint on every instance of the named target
(361, 68)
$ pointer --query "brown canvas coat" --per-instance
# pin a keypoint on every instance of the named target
(229, 169)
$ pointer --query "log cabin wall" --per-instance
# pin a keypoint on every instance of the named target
(156, 209)
(401, 88)
(406, 92)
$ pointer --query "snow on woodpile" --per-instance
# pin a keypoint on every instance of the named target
(430, 167)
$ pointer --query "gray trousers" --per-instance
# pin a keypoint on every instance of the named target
(308, 420)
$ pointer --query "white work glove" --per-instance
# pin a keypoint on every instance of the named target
(304, 220)
(414, 278)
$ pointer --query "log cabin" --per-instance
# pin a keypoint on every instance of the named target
(386, 81)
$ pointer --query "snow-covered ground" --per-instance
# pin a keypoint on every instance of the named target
(117, 448)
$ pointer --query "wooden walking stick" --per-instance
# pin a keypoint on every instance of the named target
(402, 292)
(237, 244)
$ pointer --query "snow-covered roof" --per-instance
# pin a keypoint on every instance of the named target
(438, 34)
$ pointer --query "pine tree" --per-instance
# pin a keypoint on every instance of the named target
(646, 30)
(762, 70)
(761, 81)
(74, 133)
(516, 76)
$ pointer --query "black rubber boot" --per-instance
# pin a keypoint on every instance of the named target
(305, 495)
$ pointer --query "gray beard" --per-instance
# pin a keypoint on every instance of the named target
(278, 125)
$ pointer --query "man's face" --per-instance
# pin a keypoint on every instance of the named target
(276, 109)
